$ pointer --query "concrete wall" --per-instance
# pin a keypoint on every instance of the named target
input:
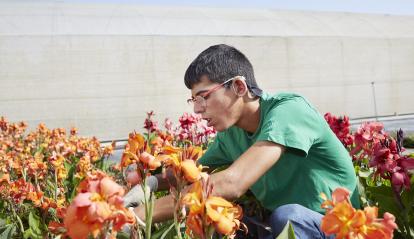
(53, 70)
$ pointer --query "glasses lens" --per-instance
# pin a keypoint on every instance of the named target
(199, 100)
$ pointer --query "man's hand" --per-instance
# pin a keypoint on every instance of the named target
(135, 196)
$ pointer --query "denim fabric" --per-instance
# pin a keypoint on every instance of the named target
(305, 222)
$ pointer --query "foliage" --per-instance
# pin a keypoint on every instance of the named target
(58, 184)
(384, 172)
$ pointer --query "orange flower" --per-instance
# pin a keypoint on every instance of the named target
(206, 211)
(56, 227)
(136, 151)
(183, 162)
(345, 221)
(20, 189)
(109, 149)
(161, 140)
(194, 198)
(98, 204)
(225, 216)
(35, 197)
(191, 172)
(150, 161)
(5, 177)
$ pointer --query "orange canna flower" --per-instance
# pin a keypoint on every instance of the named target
(345, 221)
(150, 161)
(194, 198)
(98, 204)
(136, 143)
(136, 151)
(225, 216)
(5, 178)
(207, 211)
(168, 150)
(161, 140)
(56, 227)
(191, 172)
(183, 162)
(194, 225)
(35, 197)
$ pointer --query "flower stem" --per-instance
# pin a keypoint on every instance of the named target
(176, 212)
(148, 203)
(397, 197)
(18, 218)
(56, 186)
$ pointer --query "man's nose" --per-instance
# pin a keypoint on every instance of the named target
(198, 109)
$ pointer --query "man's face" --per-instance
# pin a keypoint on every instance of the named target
(220, 108)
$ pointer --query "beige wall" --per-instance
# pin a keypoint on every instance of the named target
(104, 83)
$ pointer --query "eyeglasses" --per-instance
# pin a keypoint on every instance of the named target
(200, 99)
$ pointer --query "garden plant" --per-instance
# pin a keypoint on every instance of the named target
(57, 184)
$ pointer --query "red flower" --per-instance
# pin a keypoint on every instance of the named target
(340, 126)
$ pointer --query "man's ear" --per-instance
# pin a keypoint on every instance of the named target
(240, 87)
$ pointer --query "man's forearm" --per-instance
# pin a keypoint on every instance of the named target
(224, 185)
(164, 183)
(163, 209)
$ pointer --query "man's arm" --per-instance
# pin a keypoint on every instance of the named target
(246, 170)
(232, 182)
(164, 182)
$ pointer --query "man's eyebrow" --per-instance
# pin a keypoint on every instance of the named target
(200, 92)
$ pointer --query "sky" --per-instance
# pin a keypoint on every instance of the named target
(394, 7)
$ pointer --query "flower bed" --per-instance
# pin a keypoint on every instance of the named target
(58, 184)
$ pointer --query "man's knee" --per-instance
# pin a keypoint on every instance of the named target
(286, 213)
(305, 222)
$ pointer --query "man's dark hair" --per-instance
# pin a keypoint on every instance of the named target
(220, 63)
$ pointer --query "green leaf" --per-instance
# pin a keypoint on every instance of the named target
(122, 235)
(29, 234)
(10, 229)
(164, 231)
(2, 223)
(364, 173)
(385, 198)
(34, 223)
(35, 227)
(287, 232)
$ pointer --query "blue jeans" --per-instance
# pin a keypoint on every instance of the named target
(306, 223)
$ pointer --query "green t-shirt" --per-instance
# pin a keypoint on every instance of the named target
(314, 161)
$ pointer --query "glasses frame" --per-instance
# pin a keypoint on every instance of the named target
(201, 99)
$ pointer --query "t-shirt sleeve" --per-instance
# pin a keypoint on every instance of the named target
(292, 123)
(215, 156)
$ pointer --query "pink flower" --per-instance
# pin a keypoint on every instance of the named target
(389, 164)
(168, 125)
(367, 134)
(149, 124)
(187, 120)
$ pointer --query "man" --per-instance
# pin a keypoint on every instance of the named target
(278, 146)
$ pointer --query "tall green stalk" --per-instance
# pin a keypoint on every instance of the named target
(149, 209)
(176, 213)
(19, 220)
